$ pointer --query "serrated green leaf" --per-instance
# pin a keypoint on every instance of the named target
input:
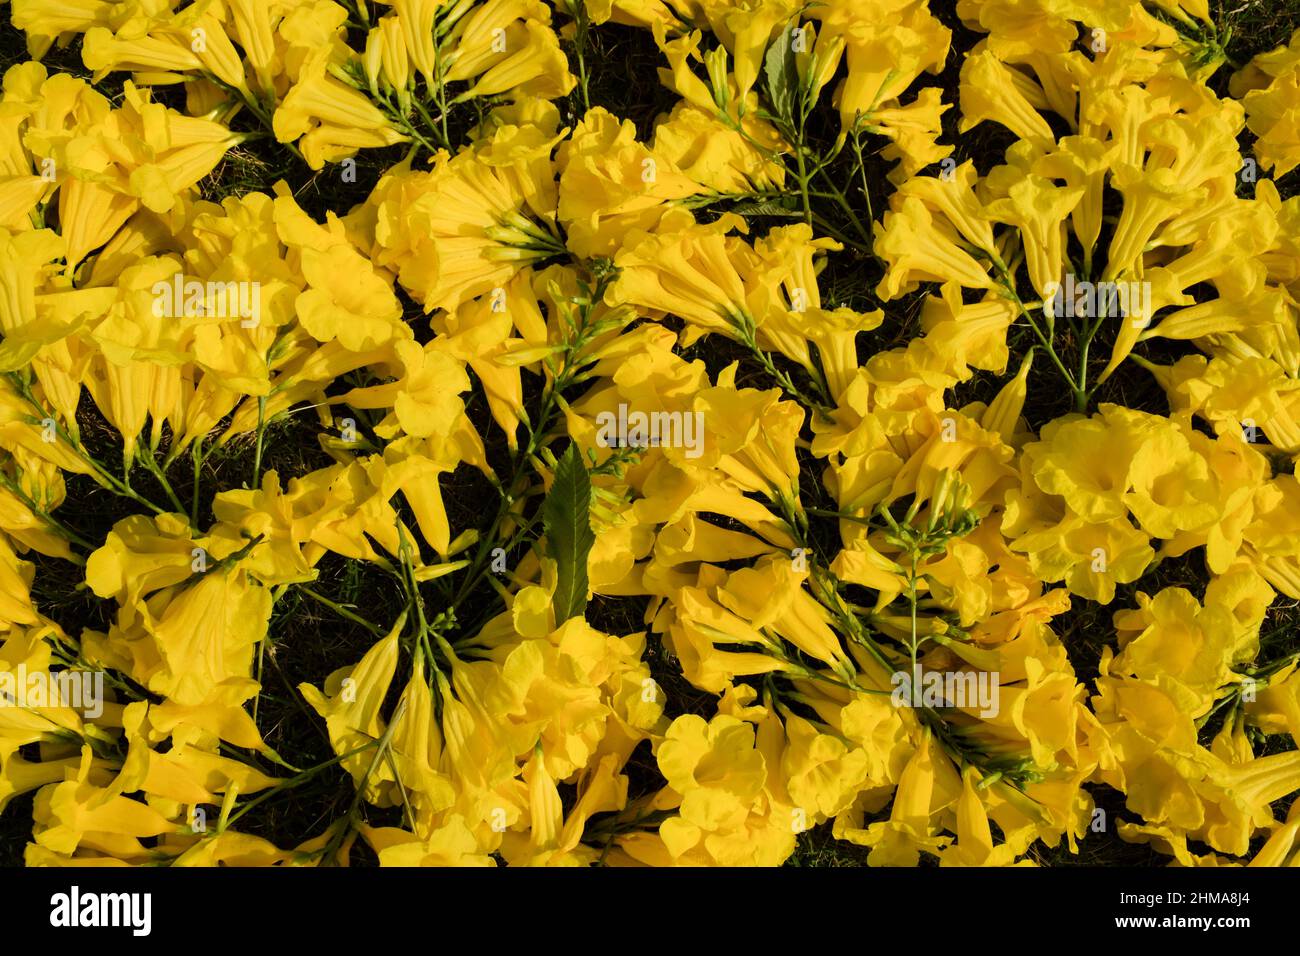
(781, 76)
(566, 516)
(766, 208)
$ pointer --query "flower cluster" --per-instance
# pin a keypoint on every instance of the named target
(779, 469)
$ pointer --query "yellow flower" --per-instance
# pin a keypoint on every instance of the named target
(918, 247)
(786, 304)
(194, 41)
(611, 185)
(457, 232)
(1171, 640)
(1172, 490)
(716, 769)
(684, 269)
(914, 130)
(553, 840)
(713, 154)
(1270, 90)
(745, 29)
(900, 840)
(332, 119)
(1093, 550)
(974, 845)
(45, 21)
(534, 65)
(76, 814)
(1036, 207)
(450, 844)
(886, 49)
(345, 298)
(351, 704)
(823, 772)
(991, 90)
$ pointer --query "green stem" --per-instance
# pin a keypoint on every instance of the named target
(196, 456)
(102, 475)
(442, 93)
(580, 44)
(848, 208)
(52, 523)
(261, 433)
(151, 466)
(297, 780)
(1009, 290)
(803, 182)
(432, 123)
(747, 335)
(341, 610)
(862, 171)
(537, 435)
(911, 596)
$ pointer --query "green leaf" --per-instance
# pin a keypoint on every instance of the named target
(566, 516)
(782, 76)
(768, 208)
